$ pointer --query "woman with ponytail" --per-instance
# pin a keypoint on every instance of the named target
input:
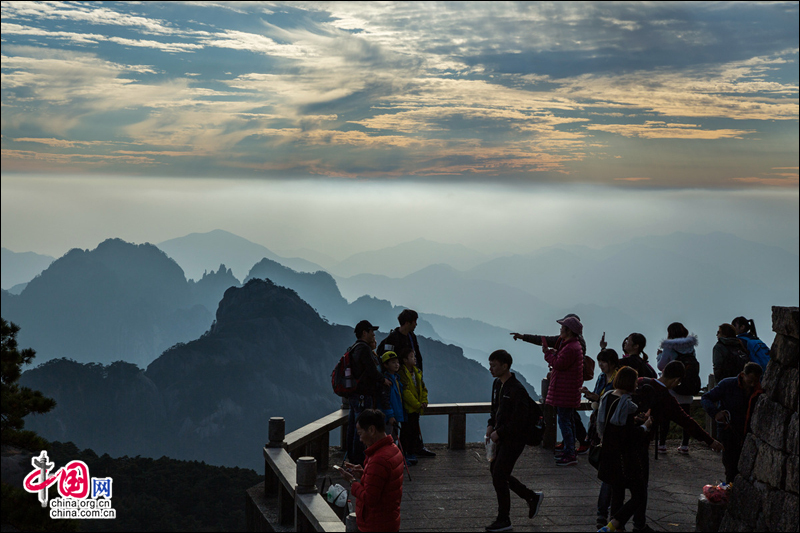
(746, 332)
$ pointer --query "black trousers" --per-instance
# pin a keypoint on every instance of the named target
(410, 434)
(633, 506)
(733, 442)
(503, 481)
(664, 429)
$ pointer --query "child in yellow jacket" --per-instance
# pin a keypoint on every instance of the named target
(415, 400)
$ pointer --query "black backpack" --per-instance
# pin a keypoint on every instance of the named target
(690, 384)
(534, 425)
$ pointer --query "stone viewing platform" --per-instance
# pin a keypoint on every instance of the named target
(453, 491)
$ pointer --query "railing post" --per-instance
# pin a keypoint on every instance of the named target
(549, 414)
(306, 483)
(457, 431)
(277, 433)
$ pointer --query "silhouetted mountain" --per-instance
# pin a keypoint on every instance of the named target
(21, 267)
(268, 354)
(406, 258)
(197, 252)
(209, 290)
(119, 301)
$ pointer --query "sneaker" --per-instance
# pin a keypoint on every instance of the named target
(411, 460)
(583, 449)
(605, 529)
(425, 452)
(567, 460)
(684, 450)
(662, 448)
(602, 521)
(500, 525)
(560, 446)
(534, 504)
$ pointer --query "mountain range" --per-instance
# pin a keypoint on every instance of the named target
(19, 268)
(267, 354)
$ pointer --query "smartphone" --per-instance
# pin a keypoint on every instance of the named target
(337, 467)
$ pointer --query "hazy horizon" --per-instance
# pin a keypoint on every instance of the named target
(345, 217)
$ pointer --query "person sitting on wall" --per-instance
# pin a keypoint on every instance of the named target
(378, 485)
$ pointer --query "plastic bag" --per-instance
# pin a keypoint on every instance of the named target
(718, 493)
(491, 449)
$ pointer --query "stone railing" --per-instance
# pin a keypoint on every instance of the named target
(289, 498)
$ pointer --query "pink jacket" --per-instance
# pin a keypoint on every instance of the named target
(566, 378)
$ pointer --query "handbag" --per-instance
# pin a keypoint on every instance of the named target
(594, 455)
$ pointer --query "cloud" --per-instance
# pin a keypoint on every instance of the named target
(662, 130)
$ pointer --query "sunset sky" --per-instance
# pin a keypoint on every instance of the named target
(655, 96)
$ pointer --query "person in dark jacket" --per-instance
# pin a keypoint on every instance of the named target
(654, 395)
(581, 438)
(403, 336)
(506, 426)
(729, 404)
(729, 354)
(633, 355)
(366, 368)
(679, 345)
(378, 486)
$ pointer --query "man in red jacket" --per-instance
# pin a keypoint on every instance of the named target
(566, 380)
(378, 486)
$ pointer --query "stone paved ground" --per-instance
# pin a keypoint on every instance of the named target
(453, 491)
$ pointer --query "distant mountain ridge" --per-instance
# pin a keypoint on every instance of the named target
(198, 252)
(21, 267)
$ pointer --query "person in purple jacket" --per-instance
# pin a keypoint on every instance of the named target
(566, 380)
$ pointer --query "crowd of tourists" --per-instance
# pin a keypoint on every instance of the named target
(633, 405)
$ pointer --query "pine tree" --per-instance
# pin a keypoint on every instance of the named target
(17, 402)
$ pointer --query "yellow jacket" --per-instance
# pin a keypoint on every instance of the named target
(413, 395)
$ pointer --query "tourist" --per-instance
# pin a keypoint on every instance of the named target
(746, 332)
(729, 403)
(378, 485)
(403, 336)
(633, 355)
(566, 379)
(608, 361)
(623, 436)
(506, 427)
(415, 400)
(582, 443)
(654, 395)
(366, 370)
(729, 354)
(392, 396)
(679, 346)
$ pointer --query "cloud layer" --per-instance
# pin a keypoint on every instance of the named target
(430, 91)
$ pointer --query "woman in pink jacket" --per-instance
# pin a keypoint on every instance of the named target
(566, 380)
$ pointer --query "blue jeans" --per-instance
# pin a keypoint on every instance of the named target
(604, 501)
(567, 426)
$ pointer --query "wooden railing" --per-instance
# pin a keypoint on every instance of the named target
(291, 461)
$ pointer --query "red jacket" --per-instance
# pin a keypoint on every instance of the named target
(566, 378)
(379, 492)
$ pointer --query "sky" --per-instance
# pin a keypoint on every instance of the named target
(498, 125)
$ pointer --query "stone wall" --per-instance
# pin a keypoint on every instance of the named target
(765, 493)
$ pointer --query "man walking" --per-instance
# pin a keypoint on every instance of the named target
(378, 485)
(506, 428)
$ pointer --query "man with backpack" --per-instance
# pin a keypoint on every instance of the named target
(365, 369)
(509, 425)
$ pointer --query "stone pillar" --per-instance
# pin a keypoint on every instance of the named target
(277, 432)
(765, 493)
(306, 475)
(457, 431)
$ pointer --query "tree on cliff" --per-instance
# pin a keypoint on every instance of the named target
(17, 402)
